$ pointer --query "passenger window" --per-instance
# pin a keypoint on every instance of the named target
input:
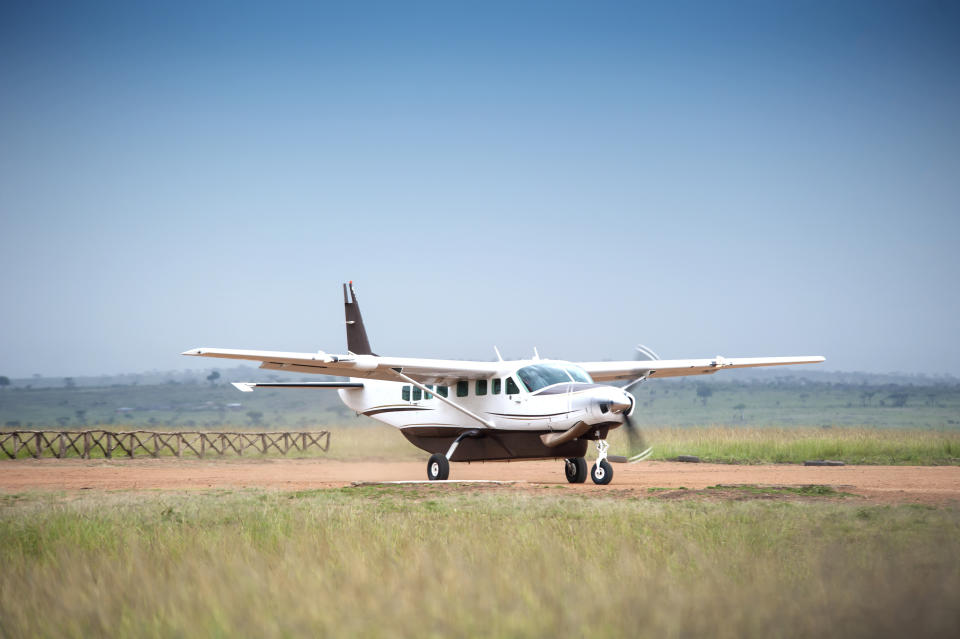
(443, 391)
(427, 395)
(417, 394)
(462, 387)
(496, 386)
(406, 394)
(512, 387)
(481, 387)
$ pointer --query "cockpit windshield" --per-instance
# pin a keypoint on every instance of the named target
(537, 376)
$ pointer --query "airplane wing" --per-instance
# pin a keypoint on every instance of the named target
(425, 371)
(608, 371)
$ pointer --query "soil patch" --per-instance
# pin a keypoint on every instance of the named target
(891, 484)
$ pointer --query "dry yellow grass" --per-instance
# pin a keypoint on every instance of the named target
(391, 563)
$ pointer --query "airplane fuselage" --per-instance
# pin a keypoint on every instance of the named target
(513, 414)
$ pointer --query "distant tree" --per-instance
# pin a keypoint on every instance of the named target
(898, 399)
(704, 392)
(740, 408)
(866, 396)
(81, 415)
(4, 381)
(213, 377)
(69, 383)
(63, 420)
(255, 417)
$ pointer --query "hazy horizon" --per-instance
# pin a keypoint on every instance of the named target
(747, 179)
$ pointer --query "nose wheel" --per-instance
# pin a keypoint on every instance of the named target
(602, 471)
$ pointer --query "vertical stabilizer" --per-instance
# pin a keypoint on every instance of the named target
(357, 342)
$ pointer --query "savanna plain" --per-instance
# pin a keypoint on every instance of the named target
(527, 559)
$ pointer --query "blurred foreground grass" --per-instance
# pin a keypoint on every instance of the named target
(386, 562)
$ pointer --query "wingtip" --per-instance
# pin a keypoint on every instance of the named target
(193, 351)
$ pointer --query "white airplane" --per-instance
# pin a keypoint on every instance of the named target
(490, 411)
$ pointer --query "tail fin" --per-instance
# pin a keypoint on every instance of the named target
(357, 342)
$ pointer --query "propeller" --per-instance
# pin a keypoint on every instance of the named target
(637, 442)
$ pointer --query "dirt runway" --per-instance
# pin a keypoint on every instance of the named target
(896, 484)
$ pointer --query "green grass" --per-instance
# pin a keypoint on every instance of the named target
(424, 563)
(811, 490)
(744, 445)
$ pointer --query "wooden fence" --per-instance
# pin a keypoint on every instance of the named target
(109, 444)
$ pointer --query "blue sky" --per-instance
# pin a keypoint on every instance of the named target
(743, 179)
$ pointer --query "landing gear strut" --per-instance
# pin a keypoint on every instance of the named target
(575, 469)
(602, 471)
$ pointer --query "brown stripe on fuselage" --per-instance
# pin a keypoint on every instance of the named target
(393, 409)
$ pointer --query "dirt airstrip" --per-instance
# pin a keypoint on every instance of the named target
(891, 484)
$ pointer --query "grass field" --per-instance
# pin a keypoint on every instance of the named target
(661, 403)
(384, 562)
(722, 444)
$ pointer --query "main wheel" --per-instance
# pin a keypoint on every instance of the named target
(438, 467)
(575, 469)
(601, 473)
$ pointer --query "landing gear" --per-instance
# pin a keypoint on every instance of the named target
(438, 467)
(602, 471)
(575, 469)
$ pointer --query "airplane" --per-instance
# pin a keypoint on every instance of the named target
(465, 411)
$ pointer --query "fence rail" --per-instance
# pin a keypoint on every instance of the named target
(83, 443)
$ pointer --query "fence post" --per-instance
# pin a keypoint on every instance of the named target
(179, 444)
(38, 444)
(286, 443)
(60, 447)
(109, 448)
(86, 444)
(203, 444)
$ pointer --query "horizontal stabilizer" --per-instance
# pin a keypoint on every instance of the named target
(247, 387)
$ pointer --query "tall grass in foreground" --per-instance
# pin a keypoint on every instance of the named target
(392, 563)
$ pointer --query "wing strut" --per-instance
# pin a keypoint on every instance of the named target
(454, 405)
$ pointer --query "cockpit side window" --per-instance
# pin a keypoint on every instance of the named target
(578, 374)
(512, 388)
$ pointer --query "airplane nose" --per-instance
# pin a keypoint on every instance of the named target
(618, 401)
(621, 404)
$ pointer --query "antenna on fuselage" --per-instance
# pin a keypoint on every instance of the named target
(536, 355)
(497, 351)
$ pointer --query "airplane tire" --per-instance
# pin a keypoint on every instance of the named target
(438, 468)
(601, 473)
(575, 469)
